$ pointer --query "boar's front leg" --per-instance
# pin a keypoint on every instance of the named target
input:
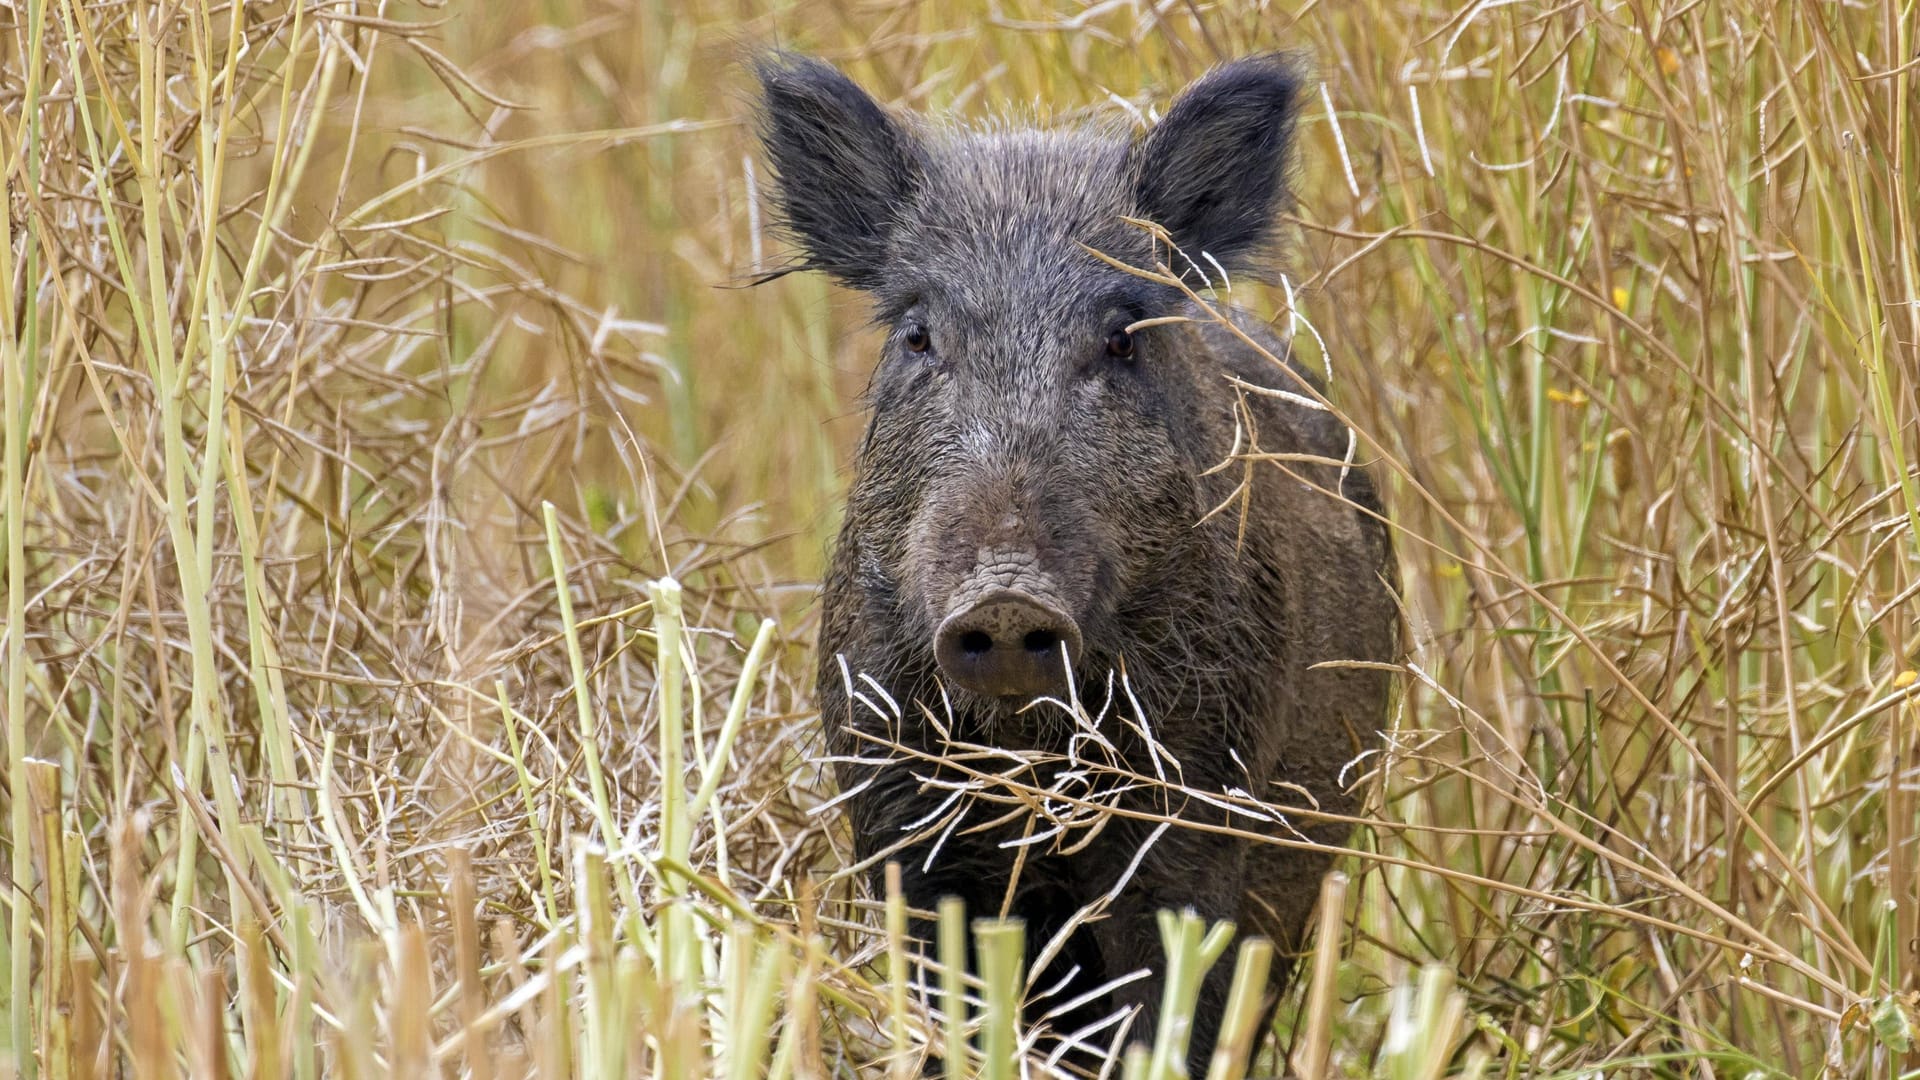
(1183, 869)
(897, 819)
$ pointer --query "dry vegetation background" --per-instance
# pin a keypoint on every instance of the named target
(309, 310)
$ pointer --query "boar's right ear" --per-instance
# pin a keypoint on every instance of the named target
(1213, 171)
(843, 166)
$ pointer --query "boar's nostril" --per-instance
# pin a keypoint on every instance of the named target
(1008, 644)
(1041, 641)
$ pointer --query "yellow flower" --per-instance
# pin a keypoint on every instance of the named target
(1576, 396)
(1621, 296)
(1669, 60)
(1905, 679)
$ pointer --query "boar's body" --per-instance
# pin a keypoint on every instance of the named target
(1223, 634)
(1039, 494)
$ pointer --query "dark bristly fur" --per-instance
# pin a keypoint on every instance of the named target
(1018, 431)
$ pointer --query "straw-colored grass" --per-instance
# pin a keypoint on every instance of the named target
(396, 485)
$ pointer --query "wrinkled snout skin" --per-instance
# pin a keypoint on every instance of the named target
(1036, 511)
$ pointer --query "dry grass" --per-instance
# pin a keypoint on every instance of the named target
(364, 366)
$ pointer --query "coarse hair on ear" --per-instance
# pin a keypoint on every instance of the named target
(1213, 171)
(843, 166)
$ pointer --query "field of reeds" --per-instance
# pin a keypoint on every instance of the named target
(411, 515)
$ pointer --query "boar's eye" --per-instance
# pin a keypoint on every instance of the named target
(1120, 345)
(917, 338)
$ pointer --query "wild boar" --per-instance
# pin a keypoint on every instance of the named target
(1036, 498)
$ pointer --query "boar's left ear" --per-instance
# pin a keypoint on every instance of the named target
(1213, 171)
(843, 165)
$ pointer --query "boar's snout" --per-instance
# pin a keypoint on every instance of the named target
(1008, 643)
